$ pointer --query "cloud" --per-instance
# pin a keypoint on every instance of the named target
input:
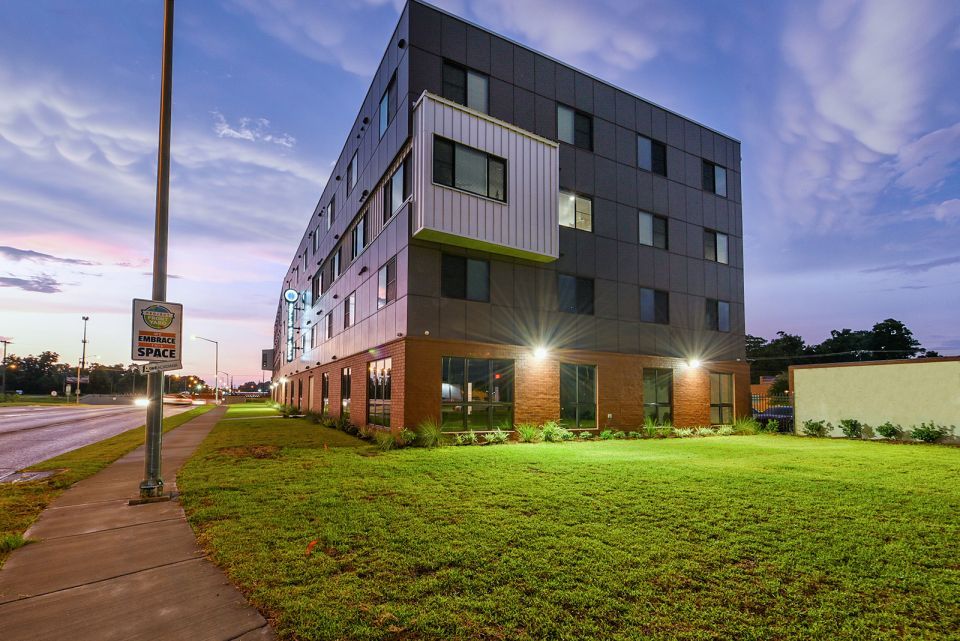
(251, 129)
(12, 253)
(915, 268)
(44, 283)
(925, 162)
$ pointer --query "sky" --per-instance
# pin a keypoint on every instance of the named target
(848, 113)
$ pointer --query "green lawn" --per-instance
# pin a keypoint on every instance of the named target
(13, 400)
(757, 537)
(21, 503)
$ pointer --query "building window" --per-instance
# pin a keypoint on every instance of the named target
(396, 191)
(328, 334)
(714, 178)
(352, 173)
(358, 237)
(578, 395)
(476, 394)
(378, 392)
(652, 155)
(721, 399)
(653, 230)
(469, 169)
(330, 212)
(574, 127)
(576, 211)
(325, 393)
(716, 246)
(387, 283)
(575, 294)
(388, 105)
(462, 277)
(658, 395)
(465, 86)
(317, 285)
(313, 336)
(316, 240)
(335, 265)
(718, 315)
(654, 306)
(350, 310)
(345, 380)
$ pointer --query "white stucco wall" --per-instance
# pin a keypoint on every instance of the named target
(906, 393)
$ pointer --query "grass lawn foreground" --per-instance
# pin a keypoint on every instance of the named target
(741, 537)
(22, 503)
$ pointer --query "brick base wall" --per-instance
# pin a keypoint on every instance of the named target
(416, 381)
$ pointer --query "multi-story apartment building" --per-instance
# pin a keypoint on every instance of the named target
(506, 238)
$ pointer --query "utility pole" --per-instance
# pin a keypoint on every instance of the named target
(152, 484)
(3, 394)
(83, 357)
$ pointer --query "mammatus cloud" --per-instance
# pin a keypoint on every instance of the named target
(44, 283)
(13, 253)
(256, 129)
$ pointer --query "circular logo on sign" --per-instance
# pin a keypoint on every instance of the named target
(157, 317)
(291, 295)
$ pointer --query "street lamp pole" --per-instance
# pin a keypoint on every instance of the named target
(3, 394)
(152, 484)
(216, 365)
(83, 357)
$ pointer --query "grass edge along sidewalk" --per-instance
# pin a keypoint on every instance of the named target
(752, 537)
(22, 503)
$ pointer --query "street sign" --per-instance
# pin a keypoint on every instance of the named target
(157, 331)
(150, 368)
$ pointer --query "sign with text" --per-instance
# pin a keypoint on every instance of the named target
(157, 331)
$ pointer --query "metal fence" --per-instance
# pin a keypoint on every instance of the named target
(767, 407)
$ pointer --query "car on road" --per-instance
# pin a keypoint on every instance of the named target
(183, 398)
(783, 414)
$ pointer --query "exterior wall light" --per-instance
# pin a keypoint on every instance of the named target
(693, 363)
(540, 353)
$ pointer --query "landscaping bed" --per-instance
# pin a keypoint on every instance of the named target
(747, 537)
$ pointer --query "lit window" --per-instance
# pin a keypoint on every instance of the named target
(576, 211)
(475, 394)
(346, 376)
(387, 283)
(378, 392)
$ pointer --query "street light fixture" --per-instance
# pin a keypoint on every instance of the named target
(229, 380)
(216, 364)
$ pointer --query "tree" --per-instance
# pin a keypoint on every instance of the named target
(769, 358)
(892, 339)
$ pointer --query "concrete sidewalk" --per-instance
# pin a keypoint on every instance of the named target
(104, 570)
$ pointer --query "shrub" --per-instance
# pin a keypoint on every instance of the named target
(746, 425)
(384, 440)
(772, 426)
(496, 437)
(585, 436)
(606, 435)
(467, 438)
(816, 428)
(406, 437)
(889, 430)
(634, 435)
(619, 435)
(286, 411)
(706, 431)
(553, 432)
(429, 433)
(725, 430)
(529, 433)
(683, 432)
(929, 432)
(851, 428)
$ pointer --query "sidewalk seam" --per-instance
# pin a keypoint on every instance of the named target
(109, 529)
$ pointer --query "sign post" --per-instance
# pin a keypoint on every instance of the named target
(151, 487)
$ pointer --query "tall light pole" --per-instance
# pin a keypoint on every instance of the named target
(151, 487)
(3, 394)
(83, 357)
(229, 380)
(216, 364)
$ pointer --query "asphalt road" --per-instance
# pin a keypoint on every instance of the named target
(31, 434)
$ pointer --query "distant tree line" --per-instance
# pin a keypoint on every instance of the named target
(886, 340)
(45, 373)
